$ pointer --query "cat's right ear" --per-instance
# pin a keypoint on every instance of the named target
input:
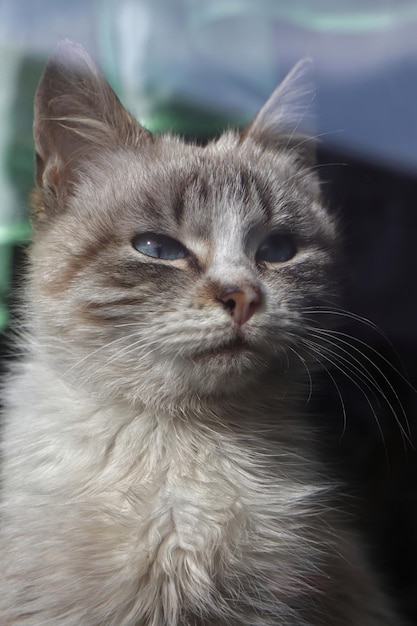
(76, 115)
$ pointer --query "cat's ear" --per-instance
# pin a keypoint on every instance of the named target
(76, 116)
(287, 119)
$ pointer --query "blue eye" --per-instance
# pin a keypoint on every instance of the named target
(277, 248)
(159, 246)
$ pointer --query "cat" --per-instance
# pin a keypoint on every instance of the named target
(158, 468)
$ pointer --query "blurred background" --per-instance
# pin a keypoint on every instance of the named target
(198, 66)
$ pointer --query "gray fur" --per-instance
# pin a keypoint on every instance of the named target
(157, 467)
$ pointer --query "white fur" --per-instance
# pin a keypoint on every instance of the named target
(120, 518)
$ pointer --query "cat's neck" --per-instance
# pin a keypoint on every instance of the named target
(92, 444)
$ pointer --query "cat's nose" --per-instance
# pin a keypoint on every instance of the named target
(241, 302)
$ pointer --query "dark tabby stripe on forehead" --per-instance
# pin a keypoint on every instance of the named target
(195, 185)
(267, 197)
(252, 183)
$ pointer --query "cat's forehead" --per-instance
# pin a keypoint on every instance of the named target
(177, 182)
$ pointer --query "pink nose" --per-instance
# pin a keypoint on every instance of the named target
(241, 302)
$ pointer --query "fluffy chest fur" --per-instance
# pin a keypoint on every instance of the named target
(175, 507)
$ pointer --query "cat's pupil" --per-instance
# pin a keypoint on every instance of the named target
(159, 246)
(277, 248)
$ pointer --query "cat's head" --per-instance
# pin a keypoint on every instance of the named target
(166, 269)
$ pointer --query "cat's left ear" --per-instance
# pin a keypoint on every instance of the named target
(287, 119)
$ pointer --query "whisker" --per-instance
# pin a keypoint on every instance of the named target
(354, 370)
(348, 315)
(322, 336)
(314, 138)
(368, 323)
(292, 349)
(376, 352)
(337, 388)
(312, 168)
(350, 375)
(97, 350)
(125, 352)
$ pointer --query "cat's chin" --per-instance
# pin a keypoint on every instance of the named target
(230, 351)
(183, 381)
(224, 369)
(190, 387)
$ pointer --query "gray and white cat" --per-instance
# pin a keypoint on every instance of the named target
(157, 466)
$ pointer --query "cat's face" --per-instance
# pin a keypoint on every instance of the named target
(165, 268)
